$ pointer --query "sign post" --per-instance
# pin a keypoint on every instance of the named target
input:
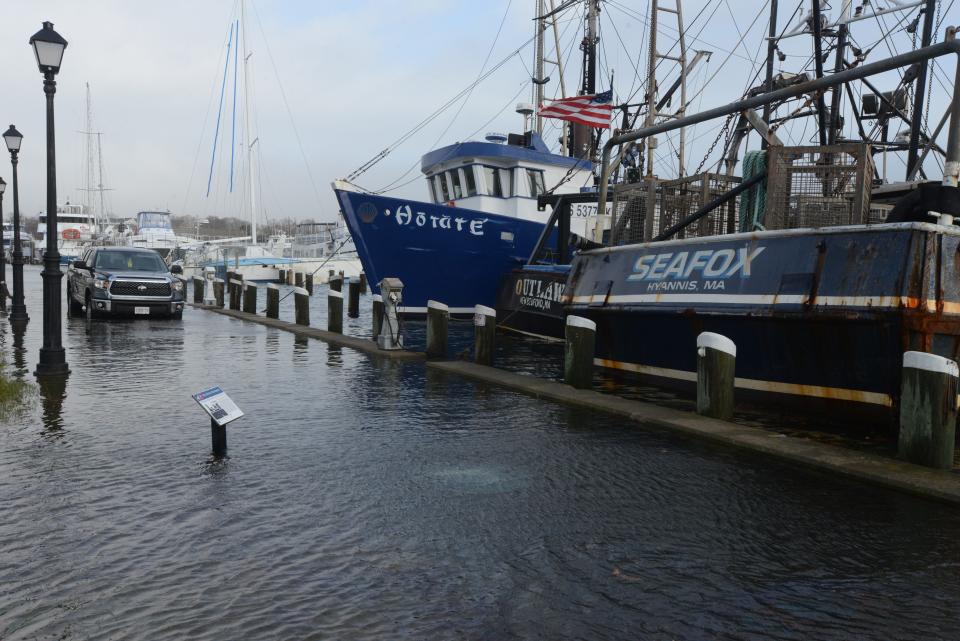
(222, 410)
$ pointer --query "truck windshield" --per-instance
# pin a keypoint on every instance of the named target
(130, 261)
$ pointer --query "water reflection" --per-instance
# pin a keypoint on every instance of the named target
(19, 351)
(334, 356)
(53, 390)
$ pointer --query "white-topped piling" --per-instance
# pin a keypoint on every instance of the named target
(301, 301)
(273, 301)
(928, 410)
(335, 311)
(716, 367)
(580, 335)
(438, 320)
(484, 332)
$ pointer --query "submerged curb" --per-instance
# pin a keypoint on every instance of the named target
(863, 466)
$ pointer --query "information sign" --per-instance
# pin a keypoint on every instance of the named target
(218, 405)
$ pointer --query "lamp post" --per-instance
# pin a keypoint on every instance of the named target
(48, 47)
(18, 311)
(3, 253)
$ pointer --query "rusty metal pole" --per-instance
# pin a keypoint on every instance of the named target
(951, 167)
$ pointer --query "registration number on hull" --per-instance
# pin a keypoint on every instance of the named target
(141, 310)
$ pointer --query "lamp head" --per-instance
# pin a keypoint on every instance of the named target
(48, 46)
(13, 138)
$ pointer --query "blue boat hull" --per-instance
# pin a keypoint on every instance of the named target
(820, 317)
(449, 254)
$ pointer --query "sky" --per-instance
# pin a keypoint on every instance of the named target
(332, 84)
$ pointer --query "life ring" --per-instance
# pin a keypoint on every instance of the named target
(70, 234)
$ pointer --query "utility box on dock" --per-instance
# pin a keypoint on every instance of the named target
(391, 291)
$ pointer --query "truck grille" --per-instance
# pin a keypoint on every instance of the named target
(138, 288)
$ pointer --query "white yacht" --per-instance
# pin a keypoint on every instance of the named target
(76, 228)
(152, 230)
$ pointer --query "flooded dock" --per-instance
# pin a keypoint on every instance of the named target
(370, 499)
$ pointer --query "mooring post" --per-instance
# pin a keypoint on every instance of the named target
(198, 284)
(438, 320)
(289, 277)
(281, 276)
(363, 283)
(377, 315)
(330, 274)
(581, 338)
(308, 283)
(336, 283)
(716, 364)
(353, 303)
(928, 410)
(335, 311)
(218, 292)
(218, 436)
(273, 301)
(301, 307)
(236, 290)
(484, 334)
(298, 279)
(250, 298)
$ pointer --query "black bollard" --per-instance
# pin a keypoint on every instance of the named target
(377, 315)
(250, 299)
(928, 410)
(308, 283)
(218, 292)
(716, 366)
(363, 283)
(335, 312)
(281, 276)
(353, 302)
(198, 284)
(484, 333)
(301, 301)
(298, 279)
(581, 334)
(273, 301)
(218, 437)
(336, 283)
(236, 291)
(289, 277)
(438, 318)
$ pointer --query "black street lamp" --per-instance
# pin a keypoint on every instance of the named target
(18, 311)
(3, 253)
(48, 46)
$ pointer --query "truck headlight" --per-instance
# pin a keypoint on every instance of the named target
(177, 285)
(101, 283)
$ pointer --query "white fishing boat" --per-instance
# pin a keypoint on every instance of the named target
(76, 228)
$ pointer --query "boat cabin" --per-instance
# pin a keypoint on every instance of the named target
(502, 175)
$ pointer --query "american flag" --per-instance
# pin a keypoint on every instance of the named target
(593, 111)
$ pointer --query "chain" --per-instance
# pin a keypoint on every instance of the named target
(724, 131)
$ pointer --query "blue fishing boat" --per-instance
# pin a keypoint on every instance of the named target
(481, 221)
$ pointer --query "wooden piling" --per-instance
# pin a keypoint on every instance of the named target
(716, 366)
(353, 301)
(928, 410)
(581, 336)
(236, 289)
(250, 298)
(336, 283)
(273, 301)
(363, 283)
(438, 320)
(301, 299)
(289, 277)
(377, 315)
(281, 276)
(298, 279)
(308, 283)
(218, 292)
(335, 311)
(198, 284)
(484, 333)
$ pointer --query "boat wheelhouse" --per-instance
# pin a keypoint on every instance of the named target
(154, 230)
(76, 228)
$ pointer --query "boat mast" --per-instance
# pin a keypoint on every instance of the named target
(583, 136)
(771, 52)
(916, 124)
(539, 81)
(817, 30)
(250, 140)
(837, 68)
(652, 89)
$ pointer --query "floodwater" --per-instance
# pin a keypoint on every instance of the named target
(365, 499)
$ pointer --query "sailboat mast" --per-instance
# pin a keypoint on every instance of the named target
(250, 141)
(103, 210)
(88, 187)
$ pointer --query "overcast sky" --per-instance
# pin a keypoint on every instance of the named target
(356, 76)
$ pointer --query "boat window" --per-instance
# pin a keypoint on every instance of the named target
(443, 188)
(535, 177)
(455, 184)
(154, 221)
(506, 180)
(434, 189)
(471, 181)
(493, 182)
(43, 220)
